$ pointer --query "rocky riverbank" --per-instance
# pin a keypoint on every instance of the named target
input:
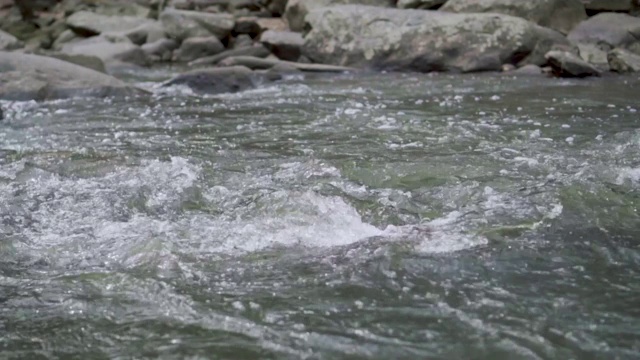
(235, 44)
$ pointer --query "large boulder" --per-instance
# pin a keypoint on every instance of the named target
(286, 45)
(183, 24)
(113, 51)
(560, 15)
(421, 40)
(87, 23)
(566, 64)
(8, 41)
(217, 80)
(297, 10)
(420, 4)
(611, 29)
(198, 47)
(623, 61)
(33, 77)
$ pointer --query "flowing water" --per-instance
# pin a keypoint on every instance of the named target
(376, 216)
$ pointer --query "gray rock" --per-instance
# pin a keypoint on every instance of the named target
(623, 61)
(33, 77)
(594, 54)
(160, 50)
(242, 41)
(261, 64)
(422, 40)
(420, 4)
(217, 80)
(87, 23)
(198, 47)
(182, 24)
(297, 10)
(566, 64)
(8, 41)
(608, 5)
(254, 26)
(111, 50)
(65, 37)
(528, 70)
(255, 51)
(148, 32)
(88, 61)
(286, 45)
(560, 15)
(612, 29)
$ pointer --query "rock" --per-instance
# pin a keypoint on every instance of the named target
(594, 54)
(217, 80)
(608, 5)
(198, 47)
(254, 26)
(259, 63)
(32, 77)
(425, 41)
(566, 64)
(420, 4)
(67, 36)
(297, 10)
(91, 62)
(560, 15)
(277, 7)
(528, 70)
(286, 45)
(160, 50)
(148, 32)
(8, 41)
(623, 61)
(182, 24)
(241, 41)
(279, 71)
(612, 29)
(85, 23)
(111, 50)
(255, 51)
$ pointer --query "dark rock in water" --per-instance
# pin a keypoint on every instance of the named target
(259, 63)
(422, 40)
(217, 80)
(286, 45)
(566, 64)
(254, 51)
(623, 61)
(560, 15)
(33, 77)
(612, 29)
(198, 47)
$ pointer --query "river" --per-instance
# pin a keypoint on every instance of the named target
(355, 216)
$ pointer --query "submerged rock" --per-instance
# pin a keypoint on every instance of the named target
(566, 64)
(560, 15)
(421, 40)
(623, 61)
(33, 77)
(217, 80)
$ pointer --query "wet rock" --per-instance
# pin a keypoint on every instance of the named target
(424, 41)
(32, 77)
(255, 51)
(183, 24)
(217, 80)
(160, 50)
(111, 50)
(261, 64)
(286, 45)
(8, 41)
(623, 61)
(566, 64)
(560, 15)
(88, 61)
(594, 54)
(87, 23)
(297, 10)
(198, 47)
(420, 4)
(612, 29)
